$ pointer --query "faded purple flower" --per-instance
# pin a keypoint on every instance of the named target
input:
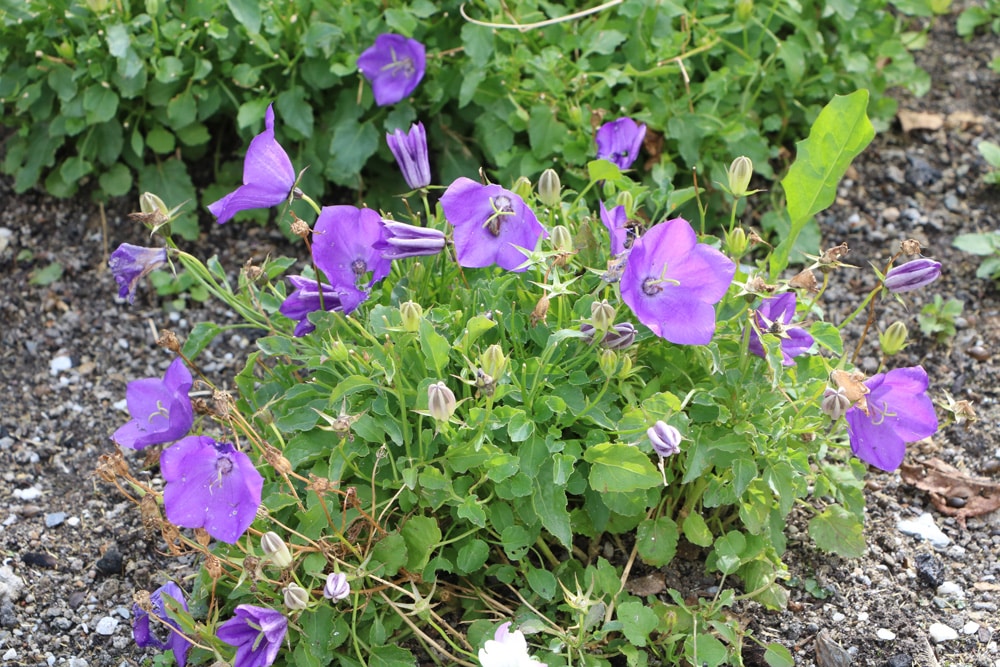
(161, 409)
(895, 411)
(336, 587)
(617, 337)
(912, 275)
(507, 649)
(344, 240)
(131, 263)
(666, 439)
(401, 240)
(256, 632)
(394, 66)
(671, 282)
(619, 140)
(410, 151)
(304, 299)
(774, 317)
(268, 176)
(210, 485)
(490, 223)
(616, 221)
(147, 633)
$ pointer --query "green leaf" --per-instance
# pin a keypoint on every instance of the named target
(637, 621)
(472, 556)
(838, 531)
(542, 582)
(991, 152)
(978, 244)
(828, 336)
(389, 655)
(116, 181)
(544, 132)
(390, 552)
(201, 335)
(620, 468)
(657, 540)
(118, 40)
(710, 651)
(247, 12)
(296, 111)
(435, 348)
(160, 140)
(100, 103)
(352, 144)
(841, 131)
(777, 655)
(603, 170)
(548, 499)
(696, 530)
(46, 276)
(421, 535)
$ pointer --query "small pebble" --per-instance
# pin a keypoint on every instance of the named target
(979, 353)
(924, 528)
(940, 632)
(970, 628)
(53, 519)
(60, 364)
(885, 634)
(900, 660)
(838, 617)
(11, 654)
(956, 502)
(30, 493)
(950, 589)
(108, 625)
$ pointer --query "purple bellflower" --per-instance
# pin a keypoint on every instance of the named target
(344, 240)
(895, 411)
(618, 141)
(161, 409)
(671, 282)
(666, 439)
(144, 630)
(616, 221)
(304, 299)
(774, 317)
(210, 485)
(394, 66)
(268, 176)
(336, 587)
(401, 240)
(507, 649)
(410, 151)
(490, 223)
(256, 632)
(131, 263)
(912, 275)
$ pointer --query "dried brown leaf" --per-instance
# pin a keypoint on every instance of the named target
(919, 120)
(942, 481)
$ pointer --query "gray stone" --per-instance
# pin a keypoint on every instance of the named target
(106, 626)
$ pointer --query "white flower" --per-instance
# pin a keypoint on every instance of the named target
(507, 649)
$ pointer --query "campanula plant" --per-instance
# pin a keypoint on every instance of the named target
(446, 416)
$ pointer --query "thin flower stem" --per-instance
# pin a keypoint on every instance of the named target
(524, 27)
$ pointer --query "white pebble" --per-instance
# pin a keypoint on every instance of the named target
(108, 625)
(940, 632)
(11, 654)
(862, 615)
(924, 528)
(30, 493)
(970, 628)
(59, 364)
(73, 521)
(950, 589)
(885, 634)
(838, 617)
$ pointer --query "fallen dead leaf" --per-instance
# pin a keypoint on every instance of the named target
(651, 584)
(986, 586)
(962, 119)
(942, 481)
(919, 120)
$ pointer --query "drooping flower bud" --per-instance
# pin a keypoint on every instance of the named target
(602, 315)
(912, 275)
(740, 173)
(296, 597)
(275, 549)
(835, 403)
(562, 240)
(549, 187)
(736, 243)
(618, 337)
(893, 339)
(336, 587)
(608, 362)
(150, 203)
(493, 361)
(440, 402)
(411, 312)
(666, 439)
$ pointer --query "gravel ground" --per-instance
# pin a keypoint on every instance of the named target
(75, 549)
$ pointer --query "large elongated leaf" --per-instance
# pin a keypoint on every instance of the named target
(620, 468)
(841, 131)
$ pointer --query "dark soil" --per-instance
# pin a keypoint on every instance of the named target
(75, 549)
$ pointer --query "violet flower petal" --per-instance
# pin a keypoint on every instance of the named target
(131, 263)
(344, 245)
(619, 141)
(410, 151)
(143, 633)
(394, 66)
(210, 485)
(780, 310)
(161, 410)
(912, 275)
(304, 299)
(490, 223)
(257, 634)
(615, 221)
(268, 176)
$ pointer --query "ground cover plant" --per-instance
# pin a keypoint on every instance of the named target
(132, 94)
(449, 415)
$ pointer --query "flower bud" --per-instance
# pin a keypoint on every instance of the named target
(522, 187)
(336, 587)
(337, 351)
(835, 403)
(440, 401)
(411, 312)
(624, 367)
(893, 339)
(275, 549)
(296, 597)
(912, 275)
(549, 187)
(602, 314)
(561, 239)
(736, 242)
(493, 362)
(666, 439)
(626, 200)
(910, 247)
(608, 361)
(618, 337)
(744, 8)
(740, 173)
(150, 203)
